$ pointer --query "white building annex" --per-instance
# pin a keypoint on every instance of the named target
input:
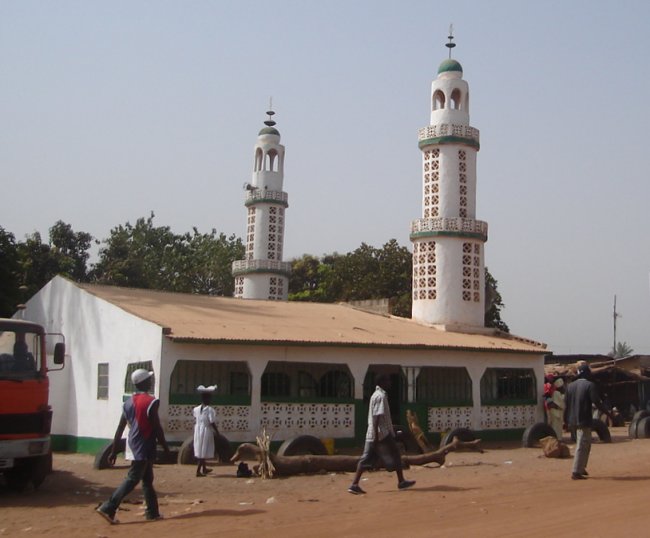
(308, 368)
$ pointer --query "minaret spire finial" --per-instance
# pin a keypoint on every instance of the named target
(270, 113)
(451, 43)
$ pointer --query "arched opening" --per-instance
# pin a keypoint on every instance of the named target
(455, 99)
(438, 100)
(258, 159)
(273, 158)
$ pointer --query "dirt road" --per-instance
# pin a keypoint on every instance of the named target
(506, 492)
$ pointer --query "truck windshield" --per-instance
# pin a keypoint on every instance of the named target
(18, 355)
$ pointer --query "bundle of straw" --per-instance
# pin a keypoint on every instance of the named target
(266, 469)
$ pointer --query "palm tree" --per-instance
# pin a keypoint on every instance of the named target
(621, 350)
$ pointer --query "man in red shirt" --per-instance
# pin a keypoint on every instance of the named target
(140, 412)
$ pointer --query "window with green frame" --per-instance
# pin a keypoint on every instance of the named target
(502, 386)
(443, 386)
(132, 367)
(231, 377)
(306, 381)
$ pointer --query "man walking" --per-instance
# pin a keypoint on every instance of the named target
(140, 411)
(380, 440)
(580, 395)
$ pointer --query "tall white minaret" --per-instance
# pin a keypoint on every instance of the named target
(263, 274)
(448, 241)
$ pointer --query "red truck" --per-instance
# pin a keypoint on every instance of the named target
(25, 413)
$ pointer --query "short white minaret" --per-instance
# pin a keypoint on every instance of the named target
(263, 274)
(448, 241)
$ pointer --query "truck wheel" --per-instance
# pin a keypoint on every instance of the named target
(41, 468)
(18, 478)
(535, 432)
(303, 444)
(101, 458)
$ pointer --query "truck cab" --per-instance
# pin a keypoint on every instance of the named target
(25, 413)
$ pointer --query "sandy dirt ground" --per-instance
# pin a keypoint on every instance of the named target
(506, 491)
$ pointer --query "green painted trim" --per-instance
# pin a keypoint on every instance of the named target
(249, 203)
(351, 345)
(467, 403)
(507, 403)
(468, 235)
(285, 399)
(85, 445)
(195, 399)
(242, 272)
(450, 139)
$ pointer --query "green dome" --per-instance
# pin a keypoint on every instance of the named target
(269, 130)
(450, 65)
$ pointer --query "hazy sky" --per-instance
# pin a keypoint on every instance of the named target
(110, 110)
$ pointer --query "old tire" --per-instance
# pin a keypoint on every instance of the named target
(463, 434)
(643, 428)
(535, 432)
(640, 414)
(301, 445)
(222, 450)
(101, 458)
(632, 429)
(601, 429)
(186, 452)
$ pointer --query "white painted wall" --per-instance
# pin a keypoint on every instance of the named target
(95, 332)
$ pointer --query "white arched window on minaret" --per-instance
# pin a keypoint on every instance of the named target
(258, 159)
(272, 156)
(455, 99)
(438, 100)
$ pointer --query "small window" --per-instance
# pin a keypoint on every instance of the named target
(102, 381)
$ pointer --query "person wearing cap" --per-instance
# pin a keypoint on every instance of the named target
(140, 412)
(205, 428)
(580, 395)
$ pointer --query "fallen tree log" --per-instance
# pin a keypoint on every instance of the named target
(311, 464)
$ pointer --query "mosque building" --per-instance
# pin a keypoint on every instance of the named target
(300, 368)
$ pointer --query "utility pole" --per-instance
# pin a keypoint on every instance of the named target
(616, 315)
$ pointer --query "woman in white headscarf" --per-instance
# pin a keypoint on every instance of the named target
(205, 428)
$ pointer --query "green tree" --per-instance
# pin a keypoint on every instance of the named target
(153, 257)
(10, 294)
(365, 273)
(493, 304)
(70, 249)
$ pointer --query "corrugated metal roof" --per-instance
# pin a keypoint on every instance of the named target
(206, 319)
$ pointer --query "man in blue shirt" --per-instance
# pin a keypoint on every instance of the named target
(580, 395)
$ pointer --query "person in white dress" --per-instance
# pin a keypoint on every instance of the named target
(205, 428)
